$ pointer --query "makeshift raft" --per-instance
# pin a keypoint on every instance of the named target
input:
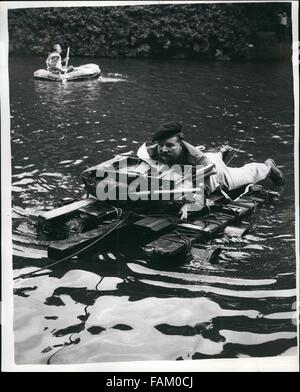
(90, 224)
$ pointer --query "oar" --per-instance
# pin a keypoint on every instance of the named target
(67, 56)
(63, 76)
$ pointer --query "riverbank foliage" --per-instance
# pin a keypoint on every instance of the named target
(202, 31)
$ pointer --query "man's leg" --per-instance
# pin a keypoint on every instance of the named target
(251, 173)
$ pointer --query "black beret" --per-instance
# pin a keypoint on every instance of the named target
(169, 129)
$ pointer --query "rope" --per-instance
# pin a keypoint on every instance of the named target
(227, 197)
(245, 192)
(186, 241)
(119, 222)
(235, 153)
(65, 345)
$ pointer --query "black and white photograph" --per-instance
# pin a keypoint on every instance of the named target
(150, 187)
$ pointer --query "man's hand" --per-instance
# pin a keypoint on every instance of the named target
(196, 204)
(184, 211)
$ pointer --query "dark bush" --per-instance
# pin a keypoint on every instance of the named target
(202, 31)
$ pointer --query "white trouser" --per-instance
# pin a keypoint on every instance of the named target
(235, 177)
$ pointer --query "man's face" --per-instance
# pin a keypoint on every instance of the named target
(169, 150)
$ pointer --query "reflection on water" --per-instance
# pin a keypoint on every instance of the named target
(116, 307)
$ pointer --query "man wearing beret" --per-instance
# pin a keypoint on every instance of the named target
(170, 148)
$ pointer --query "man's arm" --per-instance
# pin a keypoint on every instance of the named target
(196, 204)
(48, 61)
(204, 161)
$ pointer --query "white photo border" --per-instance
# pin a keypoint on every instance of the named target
(269, 364)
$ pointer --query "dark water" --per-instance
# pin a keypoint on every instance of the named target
(112, 308)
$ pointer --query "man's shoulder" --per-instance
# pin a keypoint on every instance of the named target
(152, 151)
(193, 154)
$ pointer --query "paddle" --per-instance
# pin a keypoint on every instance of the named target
(63, 76)
(67, 56)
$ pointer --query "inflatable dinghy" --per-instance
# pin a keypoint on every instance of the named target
(87, 71)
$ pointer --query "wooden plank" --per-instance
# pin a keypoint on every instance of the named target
(98, 210)
(67, 209)
(154, 224)
(172, 245)
(207, 254)
(246, 202)
(204, 227)
(235, 209)
(258, 200)
(148, 222)
(212, 227)
(193, 226)
(183, 235)
(162, 224)
(259, 191)
(63, 248)
(236, 231)
(216, 198)
(219, 218)
(225, 219)
(163, 247)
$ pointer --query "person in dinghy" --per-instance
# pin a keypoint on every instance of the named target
(54, 61)
(171, 149)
